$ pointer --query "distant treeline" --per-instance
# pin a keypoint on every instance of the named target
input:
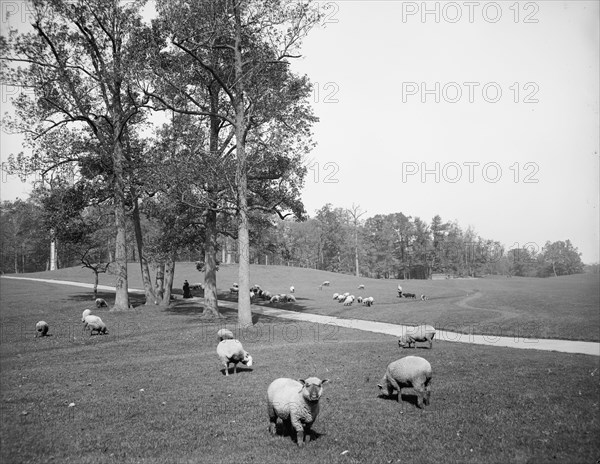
(335, 239)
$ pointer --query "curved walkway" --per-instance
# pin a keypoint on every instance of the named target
(564, 346)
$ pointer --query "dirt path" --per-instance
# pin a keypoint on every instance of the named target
(564, 346)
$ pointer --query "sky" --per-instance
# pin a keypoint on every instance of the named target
(485, 113)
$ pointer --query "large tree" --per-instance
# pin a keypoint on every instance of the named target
(80, 65)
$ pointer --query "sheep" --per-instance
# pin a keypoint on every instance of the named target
(85, 313)
(42, 329)
(266, 295)
(234, 290)
(225, 334)
(325, 284)
(421, 333)
(95, 323)
(232, 351)
(100, 303)
(410, 371)
(295, 402)
(370, 301)
(423, 297)
(292, 289)
(359, 300)
(289, 298)
(349, 300)
(335, 296)
(252, 295)
(361, 287)
(341, 298)
(409, 295)
(274, 299)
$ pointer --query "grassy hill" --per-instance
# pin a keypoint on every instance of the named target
(564, 307)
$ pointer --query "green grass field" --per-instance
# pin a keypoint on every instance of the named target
(564, 308)
(152, 390)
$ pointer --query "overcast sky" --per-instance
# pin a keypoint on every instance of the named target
(482, 112)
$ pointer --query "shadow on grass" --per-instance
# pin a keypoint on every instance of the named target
(135, 299)
(410, 398)
(240, 370)
(284, 429)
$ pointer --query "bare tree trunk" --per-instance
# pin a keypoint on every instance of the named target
(211, 307)
(244, 312)
(146, 279)
(169, 276)
(159, 282)
(120, 262)
(95, 283)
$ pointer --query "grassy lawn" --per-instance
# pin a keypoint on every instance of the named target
(152, 390)
(564, 307)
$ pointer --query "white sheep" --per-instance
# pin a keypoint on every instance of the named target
(295, 402)
(335, 296)
(423, 297)
(370, 301)
(325, 284)
(42, 329)
(359, 300)
(421, 333)
(274, 299)
(289, 298)
(85, 313)
(361, 287)
(349, 300)
(100, 303)
(408, 372)
(94, 323)
(224, 334)
(292, 289)
(232, 351)
(341, 298)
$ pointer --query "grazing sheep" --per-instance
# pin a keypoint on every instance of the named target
(252, 295)
(85, 313)
(409, 295)
(359, 300)
(369, 301)
(325, 284)
(266, 295)
(292, 289)
(335, 296)
(341, 298)
(94, 323)
(361, 287)
(100, 303)
(421, 333)
(289, 298)
(232, 351)
(275, 299)
(423, 297)
(349, 300)
(295, 402)
(408, 372)
(42, 329)
(234, 290)
(225, 334)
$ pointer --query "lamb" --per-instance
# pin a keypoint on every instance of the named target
(421, 333)
(42, 329)
(407, 372)
(225, 334)
(370, 301)
(232, 351)
(292, 289)
(95, 323)
(100, 303)
(335, 296)
(295, 402)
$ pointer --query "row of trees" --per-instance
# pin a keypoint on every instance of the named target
(236, 125)
(386, 246)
